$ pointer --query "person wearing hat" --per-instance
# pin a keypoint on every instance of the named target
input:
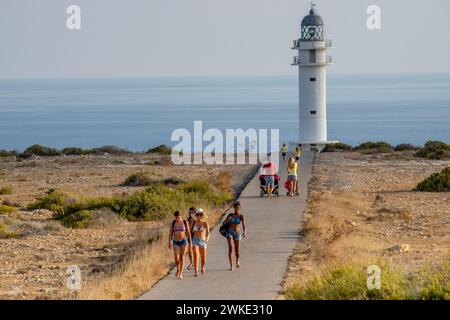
(179, 238)
(200, 237)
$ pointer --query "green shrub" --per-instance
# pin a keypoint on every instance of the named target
(73, 151)
(374, 147)
(437, 182)
(436, 150)
(435, 282)
(173, 181)
(203, 190)
(405, 147)
(332, 147)
(5, 153)
(39, 150)
(157, 201)
(6, 190)
(77, 220)
(6, 233)
(349, 282)
(140, 179)
(54, 201)
(162, 149)
(110, 150)
(5, 209)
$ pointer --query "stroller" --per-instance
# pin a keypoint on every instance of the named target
(290, 190)
(262, 186)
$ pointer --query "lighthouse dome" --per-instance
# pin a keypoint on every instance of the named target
(312, 19)
(312, 27)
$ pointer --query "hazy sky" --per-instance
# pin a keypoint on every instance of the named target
(215, 37)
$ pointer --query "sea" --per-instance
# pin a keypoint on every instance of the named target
(140, 113)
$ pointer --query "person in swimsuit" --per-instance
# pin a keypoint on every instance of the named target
(179, 238)
(200, 237)
(234, 234)
(190, 252)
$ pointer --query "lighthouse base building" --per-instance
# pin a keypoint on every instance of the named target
(312, 61)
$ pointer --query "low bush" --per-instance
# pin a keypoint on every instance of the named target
(6, 190)
(5, 209)
(39, 150)
(437, 182)
(5, 232)
(162, 149)
(405, 147)
(5, 153)
(140, 179)
(73, 151)
(109, 149)
(77, 220)
(435, 150)
(374, 147)
(172, 181)
(332, 147)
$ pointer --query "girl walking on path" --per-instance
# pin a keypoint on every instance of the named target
(234, 235)
(200, 237)
(179, 238)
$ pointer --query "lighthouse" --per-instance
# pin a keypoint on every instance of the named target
(312, 61)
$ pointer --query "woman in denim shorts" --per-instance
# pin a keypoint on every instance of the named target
(234, 234)
(179, 238)
(200, 237)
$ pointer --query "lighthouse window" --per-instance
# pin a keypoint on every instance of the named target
(313, 112)
(312, 79)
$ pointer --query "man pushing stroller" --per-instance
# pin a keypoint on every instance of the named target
(268, 173)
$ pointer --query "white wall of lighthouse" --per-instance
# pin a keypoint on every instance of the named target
(312, 61)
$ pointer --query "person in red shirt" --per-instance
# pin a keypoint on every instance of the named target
(268, 171)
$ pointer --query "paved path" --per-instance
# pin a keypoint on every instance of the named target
(273, 231)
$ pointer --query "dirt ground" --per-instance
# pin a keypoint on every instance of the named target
(33, 266)
(362, 209)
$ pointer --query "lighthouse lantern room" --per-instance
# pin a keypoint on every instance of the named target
(312, 61)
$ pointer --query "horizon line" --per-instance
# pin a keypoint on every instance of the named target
(215, 76)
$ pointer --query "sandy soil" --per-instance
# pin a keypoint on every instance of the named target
(362, 208)
(34, 265)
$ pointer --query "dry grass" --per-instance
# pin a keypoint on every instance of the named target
(333, 234)
(148, 264)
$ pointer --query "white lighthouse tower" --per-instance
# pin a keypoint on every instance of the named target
(312, 61)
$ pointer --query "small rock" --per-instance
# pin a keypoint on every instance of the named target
(401, 248)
